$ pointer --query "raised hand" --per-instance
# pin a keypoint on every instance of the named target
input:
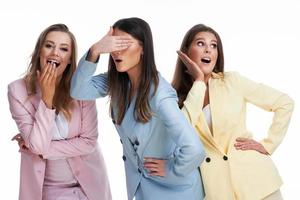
(249, 144)
(108, 44)
(47, 82)
(193, 69)
(156, 167)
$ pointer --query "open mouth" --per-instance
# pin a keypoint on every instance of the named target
(118, 60)
(56, 63)
(205, 60)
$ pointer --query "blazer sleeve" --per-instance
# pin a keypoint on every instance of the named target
(85, 86)
(190, 152)
(34, 128)
(84, 143)
(270, 100)
(194, 102)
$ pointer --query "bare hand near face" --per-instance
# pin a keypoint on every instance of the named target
(110, 43)
(193, 69)
(156, 167)
(47, 82)
(250, 144)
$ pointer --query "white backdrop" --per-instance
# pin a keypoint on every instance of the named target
(260, 39)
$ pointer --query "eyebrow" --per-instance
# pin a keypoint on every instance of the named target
(200, 38)
(49, 41)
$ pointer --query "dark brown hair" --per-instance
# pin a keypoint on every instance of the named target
(182, 81)
(119, 81)
(62, 100)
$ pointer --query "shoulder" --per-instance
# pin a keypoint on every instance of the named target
(164, 89)
(19, 83)
(230, 77)
(17, 88)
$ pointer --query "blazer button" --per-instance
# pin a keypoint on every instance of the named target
(113, 121)
(207, 159)
(225, 158)
(124, 157)
(139, 171)
(136, 142)
(121, 141)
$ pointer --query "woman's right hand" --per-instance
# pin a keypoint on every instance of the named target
(193, 69)
(109, 43)
(47, 83)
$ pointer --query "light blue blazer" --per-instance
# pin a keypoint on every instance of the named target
(168, 135)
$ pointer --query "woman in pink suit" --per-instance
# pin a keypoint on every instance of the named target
(58, 135)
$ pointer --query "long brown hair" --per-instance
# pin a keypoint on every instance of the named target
(62, 100)
(182, 81)
(119, 81)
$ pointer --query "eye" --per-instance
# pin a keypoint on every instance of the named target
(64, 49)
(213, 46)
(200, 43)
(47, 45)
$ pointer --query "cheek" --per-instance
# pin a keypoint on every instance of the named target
(194, 53)
(67, 59)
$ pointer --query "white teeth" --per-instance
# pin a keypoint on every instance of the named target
(56, 63)
(205, 60)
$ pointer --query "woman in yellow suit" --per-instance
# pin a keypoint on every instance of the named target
(236, 167)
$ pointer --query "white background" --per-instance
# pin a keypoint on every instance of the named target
(260, 41)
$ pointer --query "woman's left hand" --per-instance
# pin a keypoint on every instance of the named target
(250, 144)
(20, 141)
(156, 167)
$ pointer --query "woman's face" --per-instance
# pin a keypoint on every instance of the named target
(56, 49)
(204, 51)
(128, 59)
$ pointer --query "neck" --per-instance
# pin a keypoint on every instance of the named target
(206, 78)
(134, 76)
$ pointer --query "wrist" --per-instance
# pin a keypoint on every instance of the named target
(93, 55)
(48, 103)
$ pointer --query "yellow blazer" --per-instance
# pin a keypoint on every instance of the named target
(228, 173)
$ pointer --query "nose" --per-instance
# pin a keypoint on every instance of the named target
(55, 51)
(207, 49)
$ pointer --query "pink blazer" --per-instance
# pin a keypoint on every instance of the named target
(34, 121)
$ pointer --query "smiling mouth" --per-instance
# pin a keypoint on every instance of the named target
(205, 60)
(53, 62)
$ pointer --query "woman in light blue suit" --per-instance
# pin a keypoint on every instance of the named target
(161, 150)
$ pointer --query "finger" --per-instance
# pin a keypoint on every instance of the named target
(110, 32)
(150, 165)
(151, 170)
(123, 41)
(188, 72)
(38, 73)
(17, 136)
(123, 38)
(120, 47)
(161, 174)
(43, 74)
(45, 70)
(186, 61)
(49, 74)
(151, 160)
(52, 74)
(241, 139)
(184, 57)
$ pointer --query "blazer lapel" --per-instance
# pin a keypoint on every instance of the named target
(215, 110)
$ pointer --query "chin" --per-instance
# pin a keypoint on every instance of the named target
(120, 69)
